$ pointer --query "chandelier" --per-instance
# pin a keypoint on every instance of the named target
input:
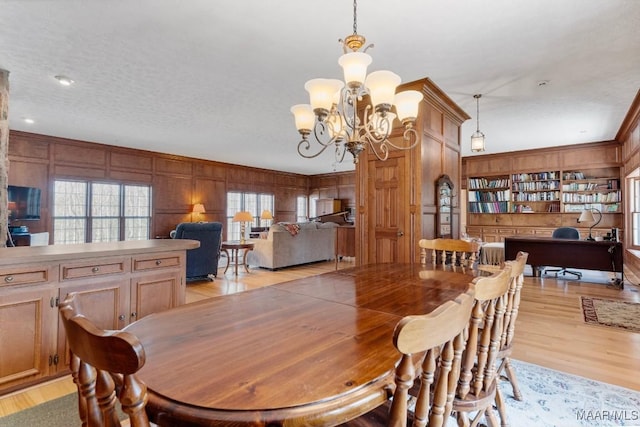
(335, 117)
(477, 139)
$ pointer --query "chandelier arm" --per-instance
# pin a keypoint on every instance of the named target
(410, 136)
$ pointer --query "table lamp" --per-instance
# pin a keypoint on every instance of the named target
(267, 216)
(198, 210)
(587, 216)
(242, 217)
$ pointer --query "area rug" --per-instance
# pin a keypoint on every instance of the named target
(551, 399)
(616, 314)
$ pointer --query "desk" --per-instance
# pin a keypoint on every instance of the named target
(567, 253)
(312, 351)
(235, 248)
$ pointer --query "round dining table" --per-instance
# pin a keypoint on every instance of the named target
(312, 351)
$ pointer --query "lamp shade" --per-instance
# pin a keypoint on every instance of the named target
(477, 141)
(382, 87)
(198, 208)
(586, 216)
(407, 104)
(266, 215)
(354, 66)
(303, 114)
(322, 92)
(243, 216)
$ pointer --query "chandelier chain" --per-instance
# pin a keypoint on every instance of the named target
(355, 17)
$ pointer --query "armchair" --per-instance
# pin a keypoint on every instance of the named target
(202, 263)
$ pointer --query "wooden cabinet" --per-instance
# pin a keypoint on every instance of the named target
(118, 283)
(327, 206)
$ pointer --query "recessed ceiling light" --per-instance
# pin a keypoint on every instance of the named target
(29, 121)
(64, 80)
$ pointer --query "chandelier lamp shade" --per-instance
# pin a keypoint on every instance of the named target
(242, 217)
(477, 139)
(335, 118)
(587, 216)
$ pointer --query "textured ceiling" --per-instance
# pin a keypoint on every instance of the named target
(215, 79)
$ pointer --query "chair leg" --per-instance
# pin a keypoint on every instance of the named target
(502, 409)
(511, 375)
(490, 416)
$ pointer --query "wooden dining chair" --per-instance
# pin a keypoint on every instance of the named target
(476, 391)
(439, 338)
(449, 251)
(503, 357)
(103, 366)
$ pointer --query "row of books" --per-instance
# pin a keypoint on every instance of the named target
(489, 207)
(611, 197)
(484, 183)
(535, 185)
(536, 197)
(577, 208)
(494, 196)
(535, 176)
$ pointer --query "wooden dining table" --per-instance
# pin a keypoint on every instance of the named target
(312, 351)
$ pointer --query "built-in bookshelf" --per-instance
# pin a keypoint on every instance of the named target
(489, 195)
(546, 192)
(581, 191)
(535, 192)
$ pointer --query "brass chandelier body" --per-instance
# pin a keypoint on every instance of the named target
(332, 115)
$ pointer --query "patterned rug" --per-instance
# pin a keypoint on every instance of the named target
(551, 399)
(616, 314)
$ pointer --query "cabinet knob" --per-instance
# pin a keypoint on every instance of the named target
(121, 317)
(95, 269)
(134, 314)
(158, 262)
(8, 279)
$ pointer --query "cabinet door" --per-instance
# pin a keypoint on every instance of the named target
(105, 303)
(28, 319)
(154, 292)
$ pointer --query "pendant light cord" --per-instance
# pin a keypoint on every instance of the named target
(355, 17)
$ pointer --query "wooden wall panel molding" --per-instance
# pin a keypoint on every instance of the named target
(28, 146)
(172, 193)
(210, 170)
(131, 177)
(598, 154)
(78, 172)
(130, 161)
(83, 155)
(631, 120)
(173, 166)
(542, 160)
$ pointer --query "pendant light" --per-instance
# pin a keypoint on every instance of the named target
(477, 139)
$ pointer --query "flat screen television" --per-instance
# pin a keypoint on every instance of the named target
(24, 203)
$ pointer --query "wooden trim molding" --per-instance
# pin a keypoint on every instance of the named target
(630, 120)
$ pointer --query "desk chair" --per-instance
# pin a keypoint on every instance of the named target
(439, 337)
(449, 251)
(564, 233)
(103, 365)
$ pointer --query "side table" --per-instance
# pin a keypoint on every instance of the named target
(235, 247)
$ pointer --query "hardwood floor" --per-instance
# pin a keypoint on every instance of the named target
(550, 329)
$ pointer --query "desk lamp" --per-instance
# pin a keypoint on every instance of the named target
(242, 217)
(587, 216)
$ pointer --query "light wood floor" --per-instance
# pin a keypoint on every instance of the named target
(550, 329)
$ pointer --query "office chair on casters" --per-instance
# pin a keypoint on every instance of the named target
(564, 233)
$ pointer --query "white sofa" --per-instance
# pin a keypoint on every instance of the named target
(313, 242)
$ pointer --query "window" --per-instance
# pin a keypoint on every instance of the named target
(252, 202)
(302, 213)
(633, 182)
(100, 212)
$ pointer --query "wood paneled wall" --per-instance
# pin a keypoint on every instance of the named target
(178, 182)
(340, 185)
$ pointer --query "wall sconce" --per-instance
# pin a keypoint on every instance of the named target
(267, 216)
(587, 216)
(242, 217)
(198, 210)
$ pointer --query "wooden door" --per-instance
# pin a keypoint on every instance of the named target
(28, 318)
(389, 223)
